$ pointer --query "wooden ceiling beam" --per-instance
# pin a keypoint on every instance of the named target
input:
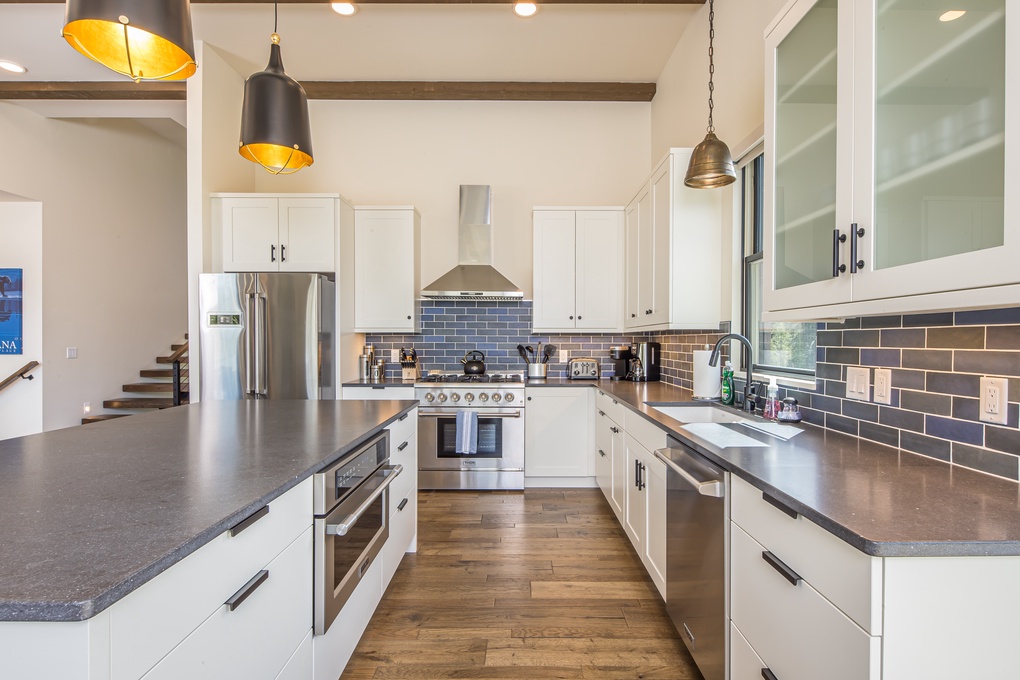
(350, 90)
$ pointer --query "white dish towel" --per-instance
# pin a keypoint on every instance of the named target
(467, 432)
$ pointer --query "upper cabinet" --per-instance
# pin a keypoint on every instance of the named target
(673, 246)
(886, 158)
(264, 233)
(386, 276)
(578, 269)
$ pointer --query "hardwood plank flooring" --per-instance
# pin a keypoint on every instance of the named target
(526, 585)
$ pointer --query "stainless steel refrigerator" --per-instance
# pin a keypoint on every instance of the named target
(267, 336)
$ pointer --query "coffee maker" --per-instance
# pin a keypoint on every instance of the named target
(621, 356)
(646, 363)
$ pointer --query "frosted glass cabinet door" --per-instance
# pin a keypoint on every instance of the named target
(932, 162)
(807, 156)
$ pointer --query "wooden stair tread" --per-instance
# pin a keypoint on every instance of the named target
(175, 347)
(140, 403)
(149, 387)
(160, 373)
(102, 416)
(166, 360)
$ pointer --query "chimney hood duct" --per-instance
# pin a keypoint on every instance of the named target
(474, 278)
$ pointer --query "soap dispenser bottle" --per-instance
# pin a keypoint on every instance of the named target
(772, 400)
(727, 384)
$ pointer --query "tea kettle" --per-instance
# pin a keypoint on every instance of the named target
(473, 366)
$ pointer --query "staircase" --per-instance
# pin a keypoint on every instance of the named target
(158, 381)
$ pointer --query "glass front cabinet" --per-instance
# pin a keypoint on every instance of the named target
(887, 157)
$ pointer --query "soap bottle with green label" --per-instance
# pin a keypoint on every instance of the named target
(727, 384)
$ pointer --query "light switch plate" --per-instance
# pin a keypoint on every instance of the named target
(72, 352)
(883, 386)
(994, 400)
(858, 383)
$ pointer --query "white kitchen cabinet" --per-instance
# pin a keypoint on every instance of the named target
(611, 457)
(264, 233)
(578, 264)
(645, 521)
(558, 436)
(378, 392)
(887, 158)
(386, 269)
(674, 252)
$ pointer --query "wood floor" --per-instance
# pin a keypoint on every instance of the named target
(533, 585)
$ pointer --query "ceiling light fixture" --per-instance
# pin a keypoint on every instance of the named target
(525, 9)
(345, 8)
(275, 130)
(711, 165)
(140, 39)
(12, 67)
(952, 15)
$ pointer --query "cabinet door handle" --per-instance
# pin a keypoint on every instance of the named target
(641, 476)
(408, 318)
(855, 264)
(272, 253)
(768, 674)
(637, 473)
(837, 238)
(784, 571)
(615, 430)
(402, 504)
(578, 317)
(571, 318)
(633, 315)
(779, 505)
(402, 446)
(249, 520)
(602, 413)
(403, 417)
(247, 589)
(602, 453)
(283, 253)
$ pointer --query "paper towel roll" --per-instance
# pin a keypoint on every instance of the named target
(707, 384)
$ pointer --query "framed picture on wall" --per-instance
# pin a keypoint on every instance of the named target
(11, 287)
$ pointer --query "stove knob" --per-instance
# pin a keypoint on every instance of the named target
(442, 398)
(454, 397)
(469, 397)
(497, 396)
(430, 397)
(483, 397)
(509, 397)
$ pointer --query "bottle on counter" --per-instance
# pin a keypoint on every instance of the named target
(772, 406)
(727, 384)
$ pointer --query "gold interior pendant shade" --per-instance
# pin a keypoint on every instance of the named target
(141, 39)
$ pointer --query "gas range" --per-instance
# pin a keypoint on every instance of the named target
(474, 391)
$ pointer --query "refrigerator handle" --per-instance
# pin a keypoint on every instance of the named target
(261, 340)
(249, 346)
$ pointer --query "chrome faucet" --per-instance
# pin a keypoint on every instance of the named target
(713, 360)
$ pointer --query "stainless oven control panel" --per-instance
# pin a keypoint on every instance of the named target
(583, 369)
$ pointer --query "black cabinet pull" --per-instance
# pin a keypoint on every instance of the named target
(529, 398)
(402, 446)
(403, 417)
(578, 317)
(637, 473)
(779, 505)
(641, 476)
(378, 387)
(784, 571)
(272, 253)
(768, 675)
(633, 315)
(602, 413)
(402, 504)
(855, 264)
(837, 238)
(615, 430)
(602, 453)
(408, 318)
(571, 318)
(283, 253)
(249, 520)
(247, 589)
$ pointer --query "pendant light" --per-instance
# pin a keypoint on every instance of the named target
(141, 39)
(275, 131)
(711, 165)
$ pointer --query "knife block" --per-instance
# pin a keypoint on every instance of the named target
(411, 372)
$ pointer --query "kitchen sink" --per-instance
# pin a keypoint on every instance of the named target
(699, 413)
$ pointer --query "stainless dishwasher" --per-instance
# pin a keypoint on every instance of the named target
(696, 554)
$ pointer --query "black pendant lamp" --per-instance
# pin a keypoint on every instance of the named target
(711, 165)
(275, 131)
(141, 39)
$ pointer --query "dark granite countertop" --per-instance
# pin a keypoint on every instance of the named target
(91, 513)
(881, 500)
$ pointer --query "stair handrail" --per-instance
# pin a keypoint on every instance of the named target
(22, 373)
(175, 359)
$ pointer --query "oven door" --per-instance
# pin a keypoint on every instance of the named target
(500, 440)
(347, 540)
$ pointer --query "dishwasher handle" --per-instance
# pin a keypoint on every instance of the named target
(712, 487)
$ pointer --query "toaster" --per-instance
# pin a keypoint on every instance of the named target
(583, 368)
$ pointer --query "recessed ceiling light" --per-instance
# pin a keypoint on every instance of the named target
(525, 9)
(345, 8)
(12, 67)
(952, 15)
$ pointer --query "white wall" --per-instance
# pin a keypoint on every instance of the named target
(418, 153)
(113, 249)
(21, 404)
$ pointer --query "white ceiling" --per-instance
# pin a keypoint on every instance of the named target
(626, 43)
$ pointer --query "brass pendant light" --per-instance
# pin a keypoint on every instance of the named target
(141, 39)
(711, 165)
(275, 130)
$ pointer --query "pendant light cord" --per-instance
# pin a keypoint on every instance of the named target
(711, 62)
(276, 16)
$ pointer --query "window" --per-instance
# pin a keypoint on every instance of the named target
(780, 348)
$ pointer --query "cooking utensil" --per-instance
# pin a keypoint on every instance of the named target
(473, 366)
(549, 351)
(522, 350)
(538, 352)
(531, 351)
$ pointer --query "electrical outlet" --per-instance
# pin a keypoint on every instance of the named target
(86, 408)
(72, 352)
(994, 400)
(394, 356)
(858, 385)
(883, 386)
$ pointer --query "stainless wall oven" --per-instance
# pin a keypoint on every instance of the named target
(351, 524)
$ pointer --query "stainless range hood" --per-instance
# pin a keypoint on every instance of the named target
(474, 278)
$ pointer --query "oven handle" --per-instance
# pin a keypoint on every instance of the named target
(347, 523)
(481, 414)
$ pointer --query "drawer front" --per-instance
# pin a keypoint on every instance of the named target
(794, 630)
(403, 526)
(846, 577)
(332, 651)
(744, 663)
(651, 436)
(257, 638)
(151, 621)
(408, 478)
(299, 667)
(379, 392)
(402, 430)
(613, 408)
